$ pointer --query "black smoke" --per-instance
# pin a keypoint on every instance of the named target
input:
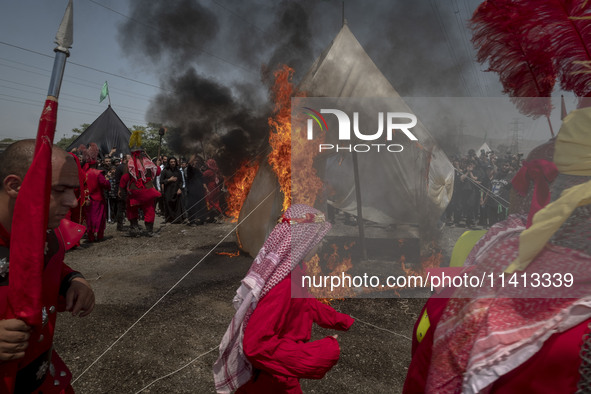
(203, 111)
(215, 58)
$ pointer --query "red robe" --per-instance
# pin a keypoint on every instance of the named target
(95, 208)
(55, 275)
(276, 341)
(214, 192)
(140, 194)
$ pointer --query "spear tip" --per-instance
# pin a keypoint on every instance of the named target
(65, 33)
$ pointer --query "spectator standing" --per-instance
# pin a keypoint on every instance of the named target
(471, 193)
(196, 206)
(112, 196)
(172, 180)
(121, 193)
(138, 181)
(183, 169)
(160, 200)
(501, 189)
(95, 206)
(213, 183)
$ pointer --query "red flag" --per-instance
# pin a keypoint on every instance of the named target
(29, 225)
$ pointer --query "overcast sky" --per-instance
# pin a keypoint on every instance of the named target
(149, 51)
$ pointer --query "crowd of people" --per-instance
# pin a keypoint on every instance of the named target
(268, 347)
(184, 191)
(482, 185)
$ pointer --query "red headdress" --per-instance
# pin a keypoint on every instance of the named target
(140, 162)
(518, 50)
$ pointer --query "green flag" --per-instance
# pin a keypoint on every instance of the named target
(104, 92)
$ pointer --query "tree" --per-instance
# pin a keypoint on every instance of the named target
(66, 141)
(151, 139)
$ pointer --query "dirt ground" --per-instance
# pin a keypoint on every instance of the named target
(164, 303)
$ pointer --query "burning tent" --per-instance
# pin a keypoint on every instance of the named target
(395, 188)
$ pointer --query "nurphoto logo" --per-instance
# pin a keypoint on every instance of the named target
(402, 121)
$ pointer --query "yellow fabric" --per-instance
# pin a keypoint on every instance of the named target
(572, 156)
(572, 152)
(546, 222)
(423, 326)
(464, 246)
(136, 139)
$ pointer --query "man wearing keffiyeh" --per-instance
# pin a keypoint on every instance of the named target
(515, 340)
(266, 348)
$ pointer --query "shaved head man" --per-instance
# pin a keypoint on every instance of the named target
(39, 367)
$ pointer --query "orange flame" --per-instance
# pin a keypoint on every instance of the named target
(290, 148)
(286, 152)
(431, 261)
(239, 186)
(338, 266)
(231, 254)
(280, 135)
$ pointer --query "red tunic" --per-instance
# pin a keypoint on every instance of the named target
(97, 183)
(214, 193)
(41, 340)
(276, 341)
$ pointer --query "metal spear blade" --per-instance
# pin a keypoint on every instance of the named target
(65, 33)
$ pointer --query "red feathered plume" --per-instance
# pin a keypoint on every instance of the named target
(567, 23)
(90, 154)
(518, 50)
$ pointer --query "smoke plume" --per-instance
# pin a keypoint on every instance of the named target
(215, 58)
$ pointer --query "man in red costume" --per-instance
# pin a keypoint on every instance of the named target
(521, 341)
(212, 178)
(95, 206)
(39, 368)
(138, 182)
(266, 348)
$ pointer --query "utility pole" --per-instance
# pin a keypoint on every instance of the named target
(515, 139)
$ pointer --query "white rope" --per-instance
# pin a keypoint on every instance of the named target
(180, 369)
(217, 346)
(175, 285)
(380, 328)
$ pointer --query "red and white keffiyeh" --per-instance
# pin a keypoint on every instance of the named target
(299, 230)
(139, 164)
(484, 333)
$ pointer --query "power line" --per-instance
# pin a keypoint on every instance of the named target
(87, 67)
(66, 96)
(65, 108)
(90, 85)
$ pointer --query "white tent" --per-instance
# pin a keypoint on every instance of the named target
(484, 147)
(395, 188)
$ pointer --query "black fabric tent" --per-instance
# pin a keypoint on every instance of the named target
(107, 131)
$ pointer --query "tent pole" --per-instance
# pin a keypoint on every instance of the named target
(359, 206)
